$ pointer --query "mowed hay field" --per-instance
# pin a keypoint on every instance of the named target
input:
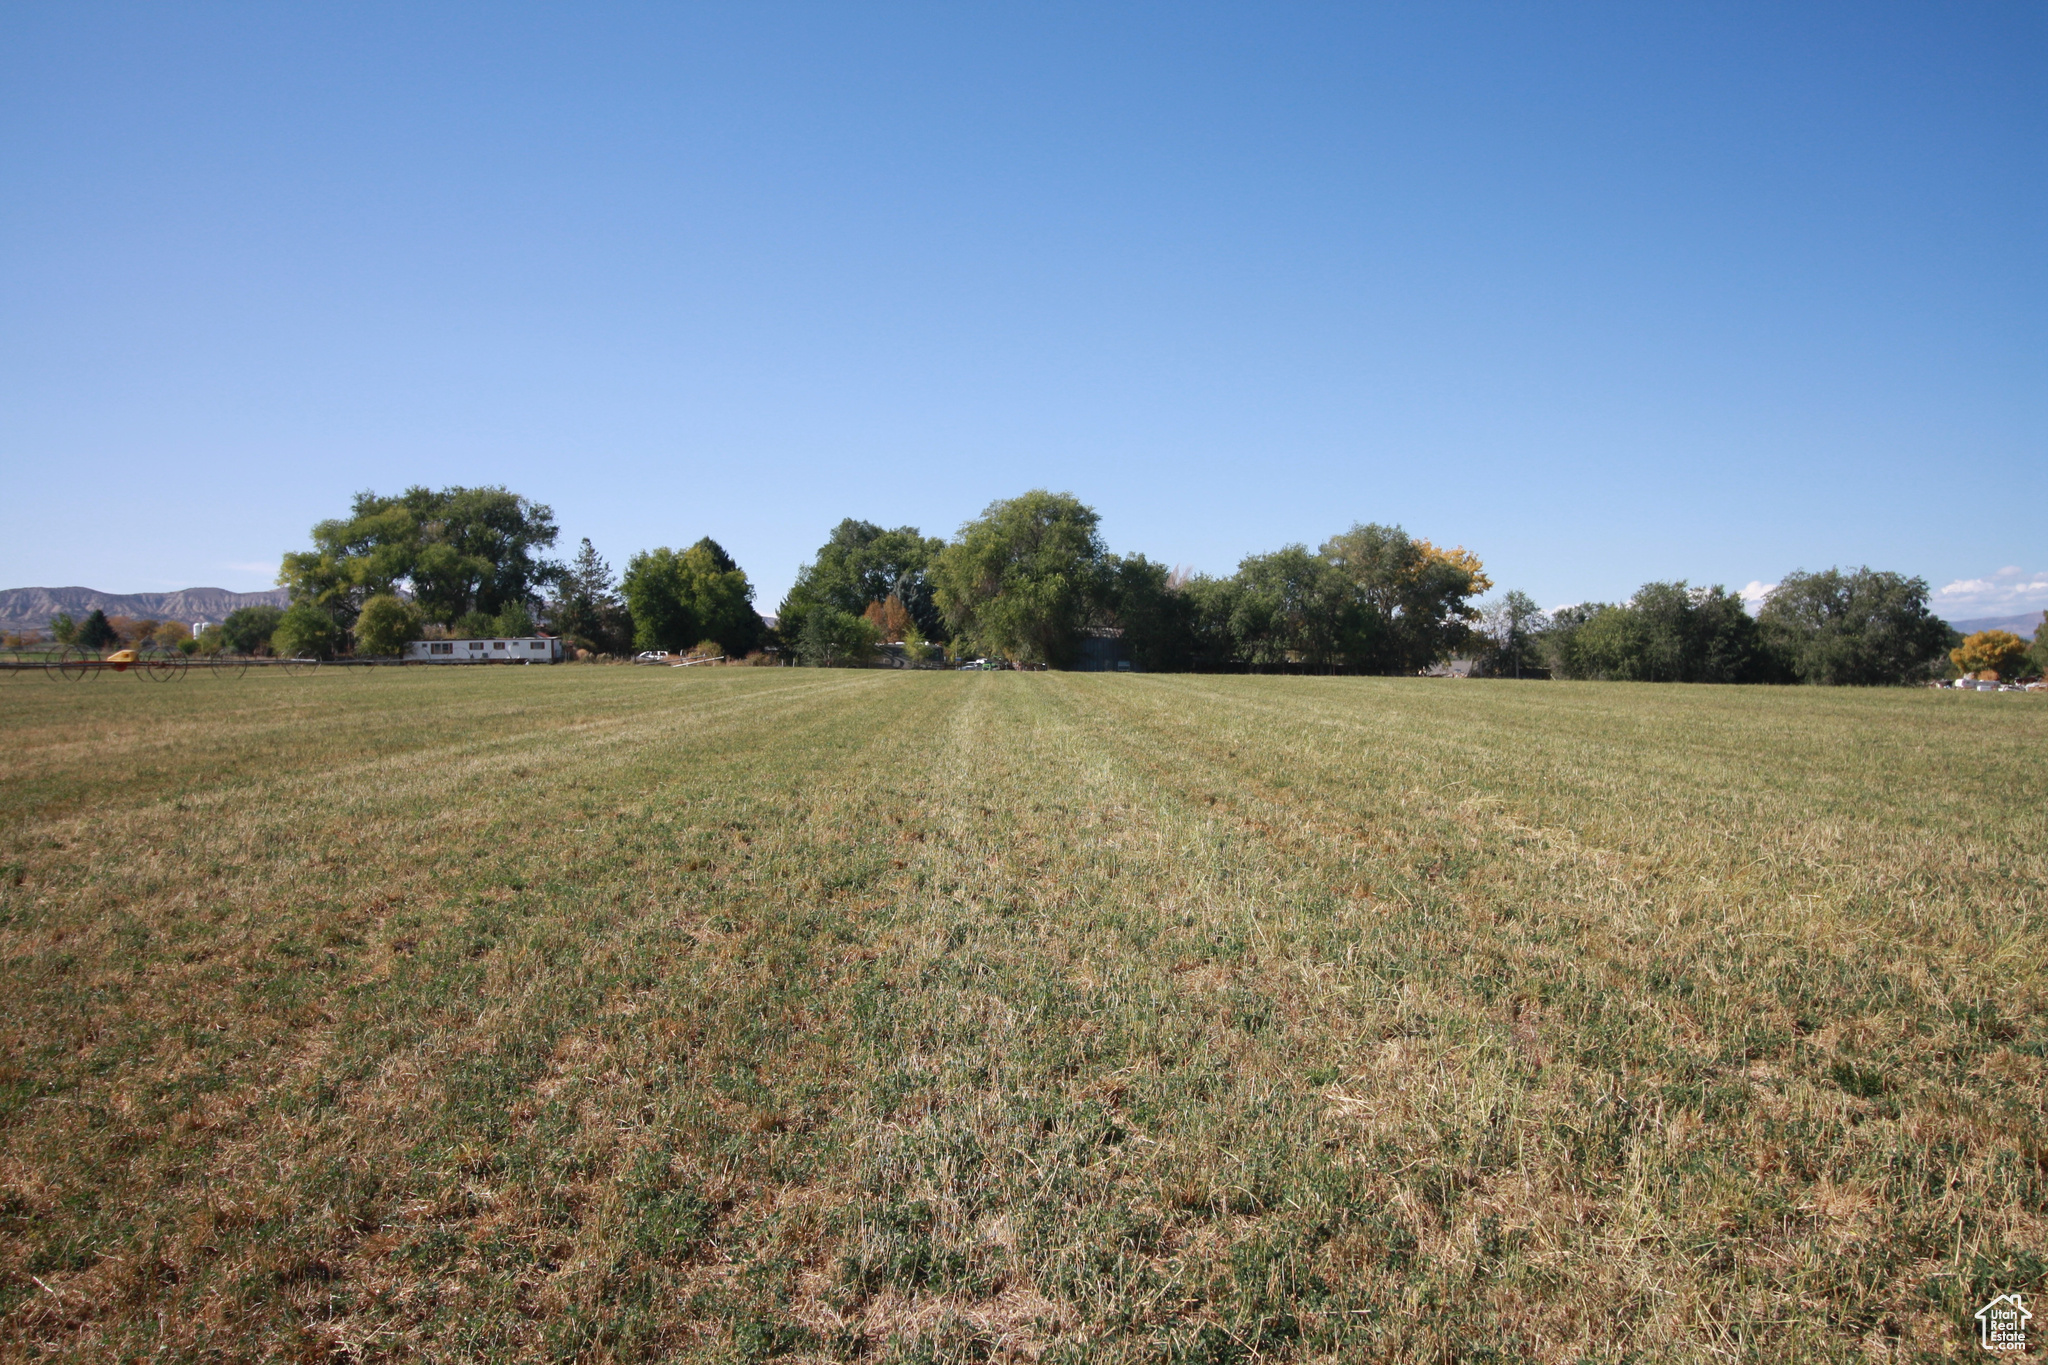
(636, 1014)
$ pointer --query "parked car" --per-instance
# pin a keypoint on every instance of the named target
(652, 656)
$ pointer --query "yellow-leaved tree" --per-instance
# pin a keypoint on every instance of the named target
(1995, 651)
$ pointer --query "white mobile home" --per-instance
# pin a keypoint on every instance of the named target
(530, 649)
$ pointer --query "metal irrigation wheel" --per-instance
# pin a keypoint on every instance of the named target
(229, 664)
(162, 667)
(75, 663)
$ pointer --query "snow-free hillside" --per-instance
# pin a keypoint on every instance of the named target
(32, 608)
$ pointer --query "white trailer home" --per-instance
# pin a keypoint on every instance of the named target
(530, 649)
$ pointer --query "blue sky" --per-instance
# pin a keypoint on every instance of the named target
(1604, 293)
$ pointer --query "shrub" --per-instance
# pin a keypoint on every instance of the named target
(835, 639)
(305, 632)
(248, 629)
(514, 620)
(386, 625)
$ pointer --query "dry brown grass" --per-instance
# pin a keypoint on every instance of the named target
(601, 1014)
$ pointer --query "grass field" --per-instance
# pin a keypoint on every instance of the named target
(618, 1014)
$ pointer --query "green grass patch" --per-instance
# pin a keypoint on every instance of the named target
(609, 1014)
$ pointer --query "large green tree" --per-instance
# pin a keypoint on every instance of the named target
(96, 631)
(1510, 631)
(1417, 598)
(247, 630)
(860, 563)
(1862, 628)
(679, 598)
(1212, 604)
(1563, 644)
(1152, 607)
(833, 638)
(305, 632)
(1024, 578)
(455, 550)
(1667, 632)
(1295, 607)
(586, 607)
(1374, 599)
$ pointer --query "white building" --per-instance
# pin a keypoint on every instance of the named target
(525, 649)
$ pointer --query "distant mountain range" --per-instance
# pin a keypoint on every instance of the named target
(2023, 626)
(32, 608)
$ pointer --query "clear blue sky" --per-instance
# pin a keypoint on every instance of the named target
(1605, 293)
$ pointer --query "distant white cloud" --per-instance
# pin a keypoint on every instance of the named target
(1755, 593)
(269, 566)
(2011, 589)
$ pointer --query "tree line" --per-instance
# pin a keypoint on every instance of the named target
(1863, 627)
(1031, 582)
